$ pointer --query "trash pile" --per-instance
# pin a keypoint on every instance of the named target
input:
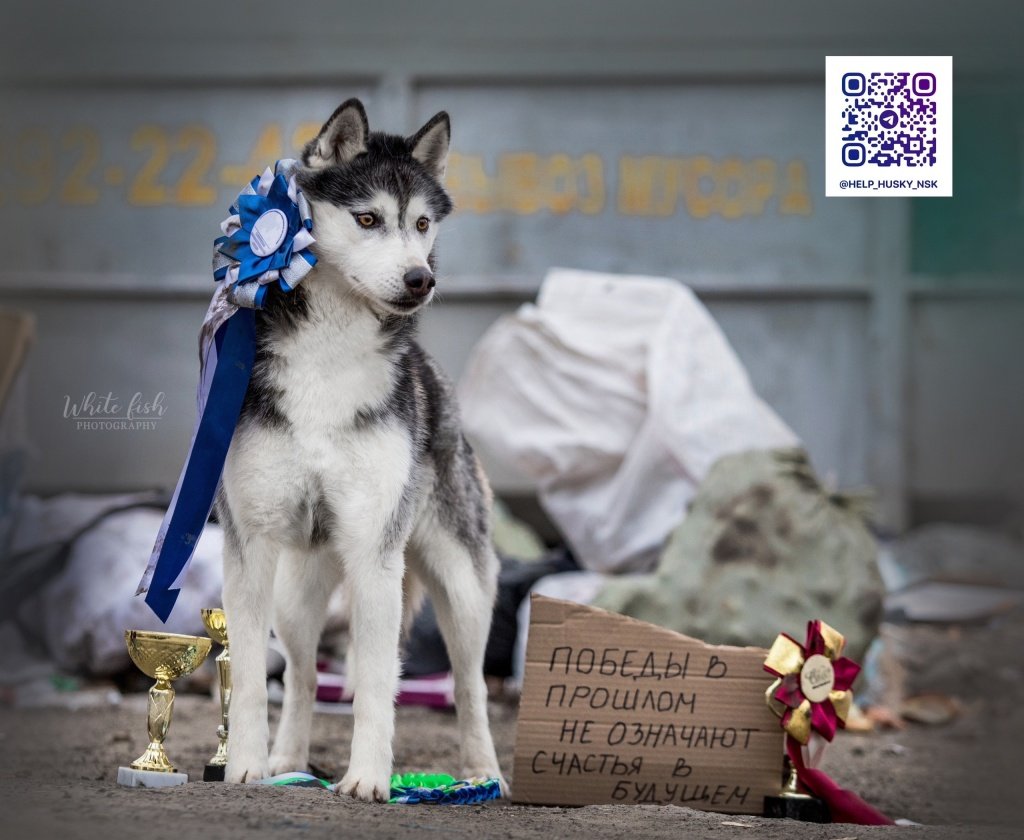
(685, 499)
(952, 626)
(70, 592)
(615, 396)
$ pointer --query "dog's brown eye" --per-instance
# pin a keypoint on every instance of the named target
(422, 223)
(366, 219)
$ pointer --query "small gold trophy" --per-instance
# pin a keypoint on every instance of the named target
(216, 625)
(790, 803)
(791, 789)
(164, 657)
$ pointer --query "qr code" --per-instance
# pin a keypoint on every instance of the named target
(890, 119)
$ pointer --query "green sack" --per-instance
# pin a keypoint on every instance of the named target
(762, 550)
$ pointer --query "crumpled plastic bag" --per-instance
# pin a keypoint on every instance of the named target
(614, 394)
(79, 617)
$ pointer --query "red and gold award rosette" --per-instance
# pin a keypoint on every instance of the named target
(812, 697)
(812, 692)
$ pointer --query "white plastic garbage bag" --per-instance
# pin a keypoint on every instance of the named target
(615, 394)
(79, 616)
(86, 610)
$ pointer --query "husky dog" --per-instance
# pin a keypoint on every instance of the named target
(348, 464)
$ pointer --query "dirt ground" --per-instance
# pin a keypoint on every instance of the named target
(960, 780)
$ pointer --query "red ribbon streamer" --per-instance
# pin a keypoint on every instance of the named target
(844, 806)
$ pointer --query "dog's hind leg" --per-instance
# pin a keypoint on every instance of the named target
(461, 587)
(248, 580)
(413, 595)
(304, 583)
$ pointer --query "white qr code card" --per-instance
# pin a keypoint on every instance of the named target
(888, 125)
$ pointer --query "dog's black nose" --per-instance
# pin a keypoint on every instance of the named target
(419, 281)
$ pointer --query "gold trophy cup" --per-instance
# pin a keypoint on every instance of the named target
(164, 657)
(216, 625)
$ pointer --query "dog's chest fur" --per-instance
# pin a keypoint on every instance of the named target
(324, 371)
(330, 421)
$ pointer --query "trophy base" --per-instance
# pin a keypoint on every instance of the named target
(803, 808)
(213, 773)
(128, 777)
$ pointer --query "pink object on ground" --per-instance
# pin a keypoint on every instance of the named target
(437, 691)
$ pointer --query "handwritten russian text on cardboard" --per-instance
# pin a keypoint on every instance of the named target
(617, 710)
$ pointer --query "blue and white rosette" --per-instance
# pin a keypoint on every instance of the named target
(266, 239)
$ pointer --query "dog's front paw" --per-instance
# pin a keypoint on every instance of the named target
(505, 790)
(368, 786)
(246, 769)
(288, 764)
(478, 772)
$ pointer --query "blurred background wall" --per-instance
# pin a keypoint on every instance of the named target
(669, 138)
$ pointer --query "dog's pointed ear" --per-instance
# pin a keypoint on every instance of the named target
(430, 144)
(342, 137)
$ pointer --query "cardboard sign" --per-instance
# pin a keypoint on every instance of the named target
(615, 710)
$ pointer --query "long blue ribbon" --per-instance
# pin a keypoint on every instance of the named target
(197, 485)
